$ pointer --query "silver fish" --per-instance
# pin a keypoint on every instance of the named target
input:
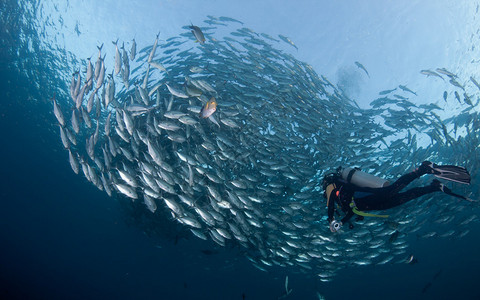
(150, 203)
(89, 77)
(58, 113)
(101, 74)
(64, 138)
(128, 122)
(75, 124)
(152, 53)
(79, 99)
(98, 63)
(127, 178)
(73, 162)
(177, 93)
(133, 50)
(91, 98)
(158, 65)
(118, 58)
(126, 190)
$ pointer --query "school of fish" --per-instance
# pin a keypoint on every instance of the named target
(230, 137)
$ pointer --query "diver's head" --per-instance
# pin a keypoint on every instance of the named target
(329, 179)
(328, 184)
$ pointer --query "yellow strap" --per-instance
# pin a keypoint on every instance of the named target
(364, 214)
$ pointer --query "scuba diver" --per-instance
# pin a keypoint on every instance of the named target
(356, 192)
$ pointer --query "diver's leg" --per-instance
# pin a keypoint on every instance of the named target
(394, 188)
(405, 180)
(400, 183)
(381, 202)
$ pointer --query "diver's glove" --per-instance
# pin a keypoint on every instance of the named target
(335, 226)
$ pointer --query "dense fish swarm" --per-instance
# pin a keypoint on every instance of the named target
(231, 137)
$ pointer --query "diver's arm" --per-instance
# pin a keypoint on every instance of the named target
(331, 208)
(347, 216)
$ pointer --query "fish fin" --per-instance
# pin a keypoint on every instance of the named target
(212, 119)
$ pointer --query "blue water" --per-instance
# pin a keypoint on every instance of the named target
(61, 238)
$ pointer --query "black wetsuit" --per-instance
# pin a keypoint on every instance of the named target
(367, 199)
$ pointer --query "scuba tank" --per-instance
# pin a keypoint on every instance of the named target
(361, 179)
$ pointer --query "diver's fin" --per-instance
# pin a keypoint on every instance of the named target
(441, 187)
(450, 172)
(449, 192)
